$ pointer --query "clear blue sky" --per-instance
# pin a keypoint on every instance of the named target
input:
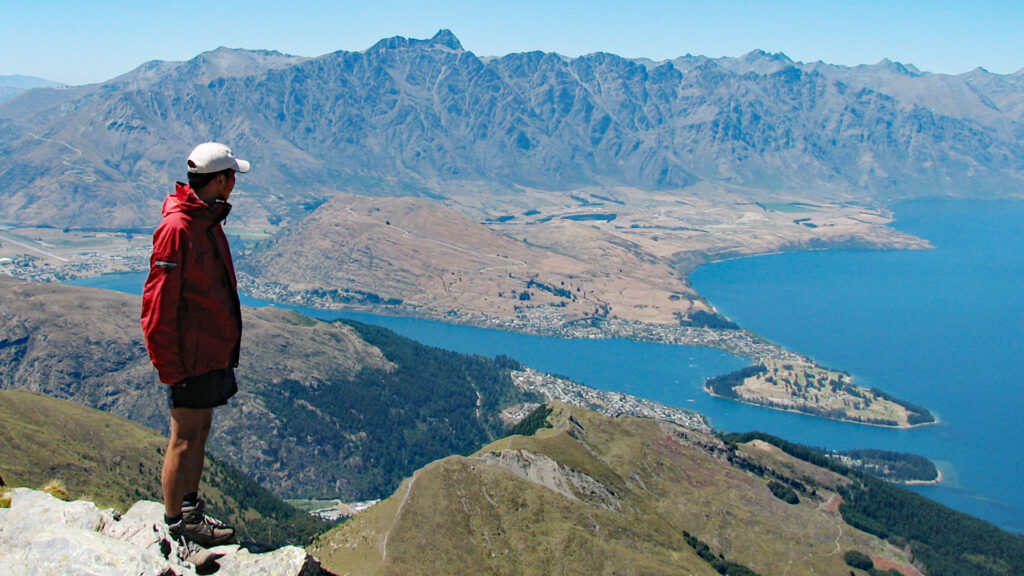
(83, 41)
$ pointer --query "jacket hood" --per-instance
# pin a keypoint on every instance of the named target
(184, 200)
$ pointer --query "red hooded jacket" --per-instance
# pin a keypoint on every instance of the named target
(191, 316)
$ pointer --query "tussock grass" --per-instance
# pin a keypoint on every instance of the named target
(57, 489)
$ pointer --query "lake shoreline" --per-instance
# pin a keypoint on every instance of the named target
(938, 480)
(803, 413)
(739, 342)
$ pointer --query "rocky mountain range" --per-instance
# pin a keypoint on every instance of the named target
(427, 117)
(526, 184)
(529, 191)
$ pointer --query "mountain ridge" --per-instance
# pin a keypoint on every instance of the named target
(15, 84)
(428, 117)
(595, 494)
(627, 172)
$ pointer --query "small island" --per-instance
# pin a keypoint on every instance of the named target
(812, 389)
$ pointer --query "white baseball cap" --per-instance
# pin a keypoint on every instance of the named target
(212, 157)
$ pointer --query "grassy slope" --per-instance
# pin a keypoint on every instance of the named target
(115, 462)
(468, 515)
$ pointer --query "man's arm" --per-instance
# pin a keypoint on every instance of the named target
(160, 299)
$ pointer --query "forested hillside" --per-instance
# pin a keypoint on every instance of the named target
(375, 428)
(947, 542)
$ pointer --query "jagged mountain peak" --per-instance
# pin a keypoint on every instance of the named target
(898, 67)
(757, 61)
(444, 39)
(758, 54)
(980, 73)
(689, 63)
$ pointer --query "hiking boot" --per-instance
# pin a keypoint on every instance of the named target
(205, 530)
(189, 551)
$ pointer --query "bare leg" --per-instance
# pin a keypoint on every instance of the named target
(186, 450)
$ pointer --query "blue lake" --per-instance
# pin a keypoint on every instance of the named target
(940, 328)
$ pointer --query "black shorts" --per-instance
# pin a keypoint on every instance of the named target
(204, 391)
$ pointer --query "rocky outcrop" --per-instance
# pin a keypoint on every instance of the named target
(40, 534)
(542, 470)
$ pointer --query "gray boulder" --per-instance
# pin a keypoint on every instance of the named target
(42, 535)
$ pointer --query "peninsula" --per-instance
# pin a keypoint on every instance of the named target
(811, 389)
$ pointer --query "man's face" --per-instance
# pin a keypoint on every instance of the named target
(219, 188)
(229, 183)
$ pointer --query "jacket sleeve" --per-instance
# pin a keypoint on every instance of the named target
(161, 297)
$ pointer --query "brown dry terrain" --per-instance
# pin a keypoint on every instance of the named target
(534, 257)
(544, 258)
(436, 260)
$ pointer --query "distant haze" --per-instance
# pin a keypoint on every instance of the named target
(11, 86)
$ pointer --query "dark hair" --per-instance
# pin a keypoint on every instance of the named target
(197, 181)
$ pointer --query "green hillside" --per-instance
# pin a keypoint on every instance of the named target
(600, 495)
(114, 462)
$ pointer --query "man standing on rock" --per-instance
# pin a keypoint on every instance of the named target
(193, 328)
